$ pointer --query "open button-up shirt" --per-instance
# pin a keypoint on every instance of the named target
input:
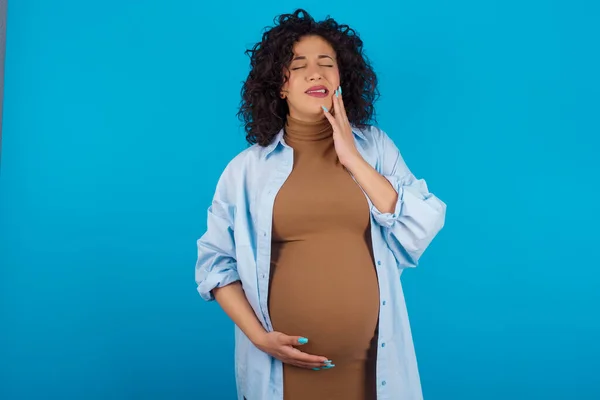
(236, 246)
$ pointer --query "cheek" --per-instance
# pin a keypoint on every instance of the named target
(293, 85)
(334, 76)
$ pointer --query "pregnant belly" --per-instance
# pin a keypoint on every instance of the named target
(327, 294)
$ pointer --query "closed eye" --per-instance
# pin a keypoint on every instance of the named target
(328, 66)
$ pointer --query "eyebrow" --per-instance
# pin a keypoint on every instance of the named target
(319, 57)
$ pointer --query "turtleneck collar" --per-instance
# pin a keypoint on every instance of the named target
(302, 131)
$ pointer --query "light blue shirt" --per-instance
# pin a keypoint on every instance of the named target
(237, 246)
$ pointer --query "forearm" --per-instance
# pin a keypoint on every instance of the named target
(233, 301)
(378, 188)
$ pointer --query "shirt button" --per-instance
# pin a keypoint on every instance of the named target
(264, 233)
(378, 262)
(393, 215)
(384, 302)
(382, 344)
(383, 383)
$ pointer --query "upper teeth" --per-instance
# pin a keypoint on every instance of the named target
(319, 91)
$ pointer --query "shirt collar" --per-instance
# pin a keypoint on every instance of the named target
(279, 139)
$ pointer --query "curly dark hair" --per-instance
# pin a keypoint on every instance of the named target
(263, 112)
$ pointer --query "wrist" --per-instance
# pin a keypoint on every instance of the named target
(354, 164)
(258, 337)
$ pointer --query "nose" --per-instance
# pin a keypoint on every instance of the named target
(313, 75)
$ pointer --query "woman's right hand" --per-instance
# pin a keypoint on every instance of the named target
(281, 346)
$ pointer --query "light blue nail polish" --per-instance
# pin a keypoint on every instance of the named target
(337, 92)
(329, 366)
(303, 340)
(340, 89)
(316, 369)
(325, 108)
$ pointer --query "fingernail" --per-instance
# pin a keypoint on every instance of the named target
(316, 369)
(337, 92)
(328, 366)
(303, 340)
(325, 108)
(340, 89)
(327, 361)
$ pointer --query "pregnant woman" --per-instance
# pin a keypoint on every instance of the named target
(311, 226)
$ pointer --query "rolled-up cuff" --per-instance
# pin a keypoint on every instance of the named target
(388, 219)
(218, 277)
(410, 196)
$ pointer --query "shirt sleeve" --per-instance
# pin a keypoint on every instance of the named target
(216, 264)
(418, 214)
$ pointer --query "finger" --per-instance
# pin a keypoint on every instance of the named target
(298, 355)
(301, 364)
(330, 117)
(340, 112)
(340, 109)
(336, 107)
(294, 340)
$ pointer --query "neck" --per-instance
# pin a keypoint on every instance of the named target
(301, 130)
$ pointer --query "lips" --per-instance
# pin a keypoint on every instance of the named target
(317, 91)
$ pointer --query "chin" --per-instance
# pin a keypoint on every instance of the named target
(322, 102)
(315, 109)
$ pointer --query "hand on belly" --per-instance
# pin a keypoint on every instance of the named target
(334, 303)
(282, 347)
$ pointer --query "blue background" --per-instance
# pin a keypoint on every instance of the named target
(120, 115)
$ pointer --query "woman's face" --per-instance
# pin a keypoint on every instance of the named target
(312, 79)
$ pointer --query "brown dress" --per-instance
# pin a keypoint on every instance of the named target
(323, 280)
